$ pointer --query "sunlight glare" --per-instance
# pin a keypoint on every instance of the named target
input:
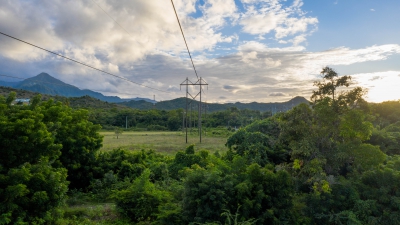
(381, 86)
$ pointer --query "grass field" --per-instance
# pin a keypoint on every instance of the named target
(163, 142)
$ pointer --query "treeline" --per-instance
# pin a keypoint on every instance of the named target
(214, 107)
(172, 120)
(336, 161)
(111, 115)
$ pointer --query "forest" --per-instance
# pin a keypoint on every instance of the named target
(112, 116)
(333, 161)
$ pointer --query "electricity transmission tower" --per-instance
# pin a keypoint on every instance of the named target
(200, 82)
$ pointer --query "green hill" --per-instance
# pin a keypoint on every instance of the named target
(74, 102)
(180, 103)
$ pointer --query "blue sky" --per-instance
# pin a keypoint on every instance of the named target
(247, 50)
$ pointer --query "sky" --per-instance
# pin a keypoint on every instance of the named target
(246, 50)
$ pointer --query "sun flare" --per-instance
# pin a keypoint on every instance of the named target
(381, 86)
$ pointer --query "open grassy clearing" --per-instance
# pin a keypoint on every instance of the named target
(164, 142)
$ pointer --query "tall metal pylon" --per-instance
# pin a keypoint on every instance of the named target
(200, 82)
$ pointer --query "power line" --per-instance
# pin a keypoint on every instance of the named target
(67, 85)
(120, 77)
(184, 39)
(114, 20)
(140, 43)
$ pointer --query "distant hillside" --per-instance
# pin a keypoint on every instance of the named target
(89, 102)
(74, 102)
(93, 102)
(8, 84)
(46, 84)
(4, 91)
(213, 107)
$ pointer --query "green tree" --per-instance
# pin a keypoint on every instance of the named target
(31, 189)
(206, 194)
(141, 200)
(78, 137)
(378, 190)
(258, 142)
(118, 131)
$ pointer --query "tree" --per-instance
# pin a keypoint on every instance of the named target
(379, 194)
(328, 87)
(118, 131)
(78, 137)
(251, 191)
(31, 188)
(141, 200)
(333, 89)
(206, 194)
(340, 120)
(258, 142)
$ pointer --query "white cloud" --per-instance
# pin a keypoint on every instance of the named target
(220, 8)
(113, 68)
(282, 42)
(346, 56)
(273, 16)
(252, 46)
(275, 94)
(269, 62)
(298, 40)
(152, 27)
(249, 57)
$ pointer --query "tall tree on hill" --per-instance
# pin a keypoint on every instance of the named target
(329, 138)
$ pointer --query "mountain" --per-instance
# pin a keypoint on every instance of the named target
(46, 84)
(213, 107)
(74, 102)
(90, 102)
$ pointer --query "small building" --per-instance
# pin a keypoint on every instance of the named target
(21, 101)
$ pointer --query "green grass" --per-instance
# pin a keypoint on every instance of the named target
(163, 142)
(91, 214)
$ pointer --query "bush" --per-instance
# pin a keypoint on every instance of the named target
(141, 200)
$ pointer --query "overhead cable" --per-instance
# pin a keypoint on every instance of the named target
(184, 39)
(120, 77)
(113, 19)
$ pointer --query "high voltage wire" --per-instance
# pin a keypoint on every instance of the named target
(120, 77)
(113, 19)
(184, 39)
(67, 85)
(140, 43)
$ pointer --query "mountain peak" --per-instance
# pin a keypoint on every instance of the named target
(44, 77)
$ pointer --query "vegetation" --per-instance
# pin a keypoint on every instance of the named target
(111, 115)
(166, 142)
(180, 103)
(336, 161)
(118, 131)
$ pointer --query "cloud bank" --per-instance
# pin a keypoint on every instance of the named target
(230, 42)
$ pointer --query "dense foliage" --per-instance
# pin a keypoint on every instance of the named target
(40, 145)
(335, 161)
(173, 120)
